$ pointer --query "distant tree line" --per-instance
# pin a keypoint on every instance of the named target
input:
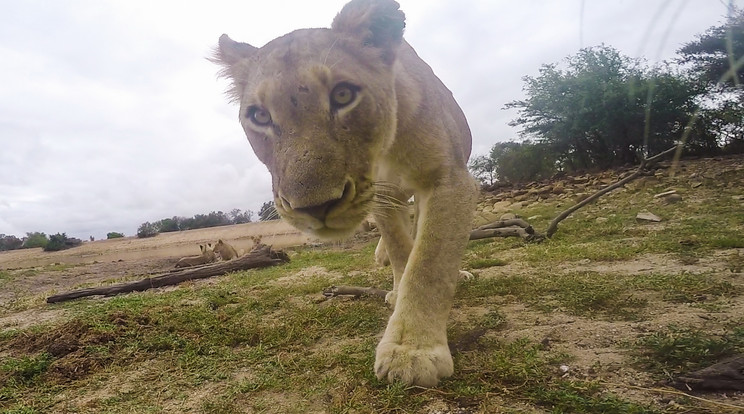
(55, 242)
(600, 109)
(198, 221)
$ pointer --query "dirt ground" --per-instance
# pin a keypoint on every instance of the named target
(127, 258)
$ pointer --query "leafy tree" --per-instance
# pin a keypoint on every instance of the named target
(520, 162)
(716, 55)
(169, 224)
(114, 235)
(147, 229)
(484, 169)
(716, 60)
(239, 217)
(10, 242)
(268, 212)
(61, 242)
(35, 239)
(597, 111)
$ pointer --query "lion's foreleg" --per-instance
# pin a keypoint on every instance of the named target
(395, 227)
(414, 347)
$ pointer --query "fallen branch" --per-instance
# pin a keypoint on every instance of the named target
(506, 228)
(355, 291)
(261, 256)
(644, 164)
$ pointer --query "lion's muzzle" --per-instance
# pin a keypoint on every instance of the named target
(335, 214)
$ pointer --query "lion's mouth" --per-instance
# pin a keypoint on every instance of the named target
(334, 218)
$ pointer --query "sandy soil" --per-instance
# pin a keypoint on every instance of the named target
(126, 258)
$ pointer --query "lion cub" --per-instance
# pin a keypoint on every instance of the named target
(206, 256)
(349, 120)
(225, 250)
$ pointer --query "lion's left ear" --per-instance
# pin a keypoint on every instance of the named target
(377, 23)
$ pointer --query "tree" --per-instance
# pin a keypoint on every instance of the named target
(114, 235)
(238, 217)
(268, 212)
(597, 111)
(716, 55)
(517, 162)
(484, 169)
(10, 242)
(147, 229)
(60, 241)
(716, 61)
(35, 239)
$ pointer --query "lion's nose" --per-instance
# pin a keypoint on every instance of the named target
(319, 211)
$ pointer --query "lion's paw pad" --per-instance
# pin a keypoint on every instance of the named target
(412, 365)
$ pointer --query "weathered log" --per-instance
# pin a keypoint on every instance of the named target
(261, 256)
(507, 228)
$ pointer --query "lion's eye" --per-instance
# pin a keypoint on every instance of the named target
(343, 94)
(259, 116)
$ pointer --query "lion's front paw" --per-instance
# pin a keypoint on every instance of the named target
(413, 365)
(391, 297)
(465, 275)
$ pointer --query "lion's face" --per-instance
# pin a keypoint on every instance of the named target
(318, 110)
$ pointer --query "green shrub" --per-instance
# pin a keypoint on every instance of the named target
(61, 242)
(114, 235)
(147, 229)
(35, 239)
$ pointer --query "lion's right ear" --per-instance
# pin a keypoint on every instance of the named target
(229, 54)
(376, 23)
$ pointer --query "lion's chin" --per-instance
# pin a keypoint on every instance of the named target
(334, 229)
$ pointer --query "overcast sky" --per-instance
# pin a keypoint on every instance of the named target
(111, 116)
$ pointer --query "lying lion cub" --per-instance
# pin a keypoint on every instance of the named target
(207, 256)
(350, 120)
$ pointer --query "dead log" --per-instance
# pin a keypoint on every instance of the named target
(355, 291)
(506, 228)
(261, 256)
(723, 376)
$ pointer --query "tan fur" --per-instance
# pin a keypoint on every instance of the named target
(350, 120)
(206, 256)
(225, 250)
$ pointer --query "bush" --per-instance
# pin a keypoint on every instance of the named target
(10, 242)
(147, 229)
(61, 242)
(35, 239)
(114, 235)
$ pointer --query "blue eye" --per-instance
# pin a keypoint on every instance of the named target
(259, 116)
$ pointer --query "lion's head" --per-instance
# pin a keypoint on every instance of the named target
(319, 107)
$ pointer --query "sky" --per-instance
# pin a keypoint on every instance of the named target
(111, 115)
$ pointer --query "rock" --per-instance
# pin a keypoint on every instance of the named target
(508, 216)
(672, 198)
(501, 206)
(601, 220)
(647, 216)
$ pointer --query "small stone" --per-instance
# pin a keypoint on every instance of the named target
(672, 198)
(647, 216)
(601, 220)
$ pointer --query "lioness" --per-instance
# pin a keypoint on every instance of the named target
(350, 120)
(206, 256)
(225, 250)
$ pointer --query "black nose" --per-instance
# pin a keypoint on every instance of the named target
(319, 211)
